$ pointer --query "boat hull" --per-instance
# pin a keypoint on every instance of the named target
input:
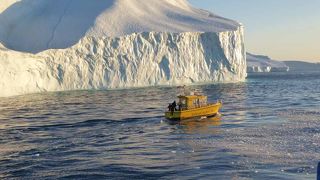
(207, 111)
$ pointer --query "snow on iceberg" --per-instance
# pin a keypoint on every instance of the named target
(56, 45)
(259, 64)
(6, 3)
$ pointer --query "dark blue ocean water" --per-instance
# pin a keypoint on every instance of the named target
(269, 129)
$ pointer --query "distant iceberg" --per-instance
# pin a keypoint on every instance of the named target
(57, 45)
(303, 66)
(259, 63)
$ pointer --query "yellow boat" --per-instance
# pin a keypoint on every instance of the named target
(192, 106)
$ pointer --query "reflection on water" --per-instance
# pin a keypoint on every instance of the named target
(268, 129)
(199, 125)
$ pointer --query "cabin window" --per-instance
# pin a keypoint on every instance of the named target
(182, 104)
(183, 101)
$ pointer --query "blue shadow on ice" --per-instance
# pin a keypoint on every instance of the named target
(43, 21)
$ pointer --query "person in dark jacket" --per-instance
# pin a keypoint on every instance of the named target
(170, 107)
(174, 106)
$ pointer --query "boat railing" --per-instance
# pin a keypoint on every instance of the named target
(197, 106)
(184, 91)
(184, 107)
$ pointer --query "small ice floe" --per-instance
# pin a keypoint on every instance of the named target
(36, 155)
(198, 167)
(156, 140)
(174, 152)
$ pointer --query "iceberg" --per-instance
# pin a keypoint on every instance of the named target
(303, 66)
(263, 64)
(58, 45)
(6, 3)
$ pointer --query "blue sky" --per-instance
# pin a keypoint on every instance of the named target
(282, 29)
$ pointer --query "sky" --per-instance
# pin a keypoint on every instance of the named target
(281, 29)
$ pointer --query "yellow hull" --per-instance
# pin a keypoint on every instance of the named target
(206, 111)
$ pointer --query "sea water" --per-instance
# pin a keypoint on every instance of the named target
(269, 129)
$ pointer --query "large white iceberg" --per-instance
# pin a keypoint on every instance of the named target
(56, 45)
(262, 64)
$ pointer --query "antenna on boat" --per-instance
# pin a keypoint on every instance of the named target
(183, 90)
(198, 92)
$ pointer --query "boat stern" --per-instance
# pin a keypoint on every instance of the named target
(173, 115)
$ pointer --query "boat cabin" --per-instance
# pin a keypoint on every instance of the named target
(192, 102)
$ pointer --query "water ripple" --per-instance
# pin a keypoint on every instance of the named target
(269, 129)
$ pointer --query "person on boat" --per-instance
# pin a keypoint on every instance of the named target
(170, 107)
(179, 106)
(174, 106)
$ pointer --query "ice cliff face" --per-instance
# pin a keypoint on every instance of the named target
(119, 44)
(141, 59)
(259, 64)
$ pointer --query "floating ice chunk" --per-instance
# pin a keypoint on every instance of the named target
(258, 63)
